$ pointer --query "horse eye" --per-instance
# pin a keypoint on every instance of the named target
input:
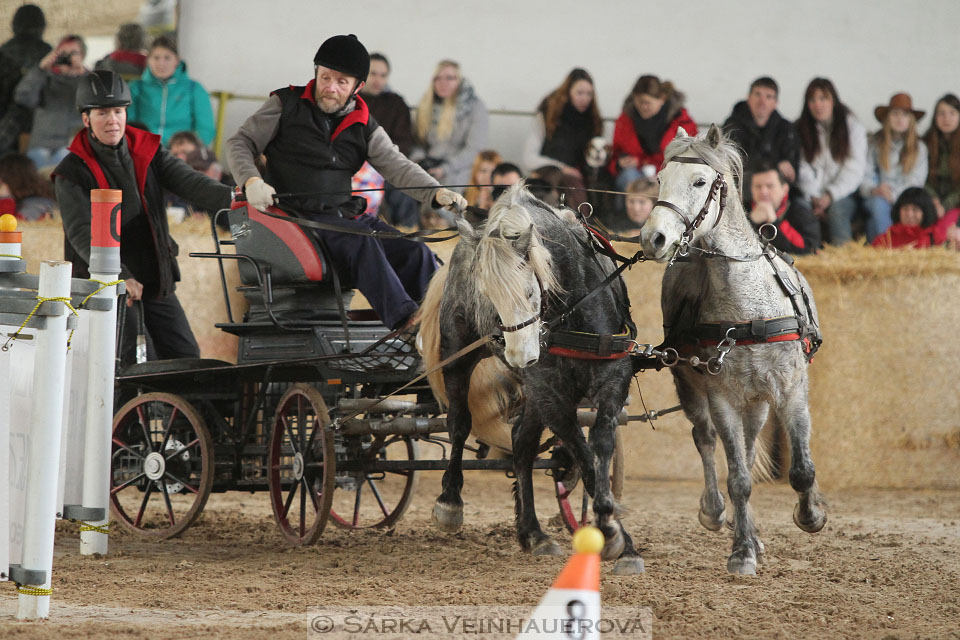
(700, 182)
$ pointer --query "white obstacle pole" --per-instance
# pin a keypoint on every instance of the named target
(105, 267)
(40, 512)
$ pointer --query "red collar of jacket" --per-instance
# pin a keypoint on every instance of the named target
(360, 113)
(143, 146)
(130, 57)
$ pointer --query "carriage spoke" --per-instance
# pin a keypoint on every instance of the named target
(166, 499)
(300, 422)
(186, 485)
(356, 504)
(182, 449)
(143, 425)
(166, 432)
(119, 488)
(303, 513)
(289, 431)
(313, 494)
(143, 504)
(376, 494)
(126, 447)
(286, 505)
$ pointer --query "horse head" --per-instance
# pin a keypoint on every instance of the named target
(514, 273)
(696, 176)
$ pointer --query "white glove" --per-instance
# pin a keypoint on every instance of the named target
(451, 200)
(259, 193)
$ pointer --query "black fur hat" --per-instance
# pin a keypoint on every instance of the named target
(344, 54)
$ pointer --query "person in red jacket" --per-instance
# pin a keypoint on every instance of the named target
(652, 113)
(915, 223)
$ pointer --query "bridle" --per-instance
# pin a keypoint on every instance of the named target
(719, 186)
(526, 323)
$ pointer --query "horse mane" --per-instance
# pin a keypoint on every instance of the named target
(500, 269)
(725, 157)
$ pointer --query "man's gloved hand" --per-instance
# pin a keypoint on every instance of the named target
(259, 193)
(451, 200)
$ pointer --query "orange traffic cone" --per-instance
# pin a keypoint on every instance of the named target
(571, 607)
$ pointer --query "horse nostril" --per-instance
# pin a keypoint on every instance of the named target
(530, 362)
(658, 241)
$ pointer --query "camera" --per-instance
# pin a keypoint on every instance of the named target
(63, 59)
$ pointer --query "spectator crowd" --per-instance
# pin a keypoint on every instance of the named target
(830, 177)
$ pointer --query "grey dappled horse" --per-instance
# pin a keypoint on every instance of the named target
(727, 278)
(526, 263)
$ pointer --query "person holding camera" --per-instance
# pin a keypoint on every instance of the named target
(49, 91)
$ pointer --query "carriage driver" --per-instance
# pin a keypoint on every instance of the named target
(314, 138)
(107, 154)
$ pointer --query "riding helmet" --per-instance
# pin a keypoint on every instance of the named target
(344, 54)
(101, 89)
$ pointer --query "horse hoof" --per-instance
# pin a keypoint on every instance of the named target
(547, 547)
(809, 527)
(628, 566)
(448, 518)
(709, 523)
(613, 547)
(742, 565)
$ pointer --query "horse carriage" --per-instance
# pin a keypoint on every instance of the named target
(307, 413)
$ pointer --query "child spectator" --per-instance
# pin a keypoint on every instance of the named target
(834, 158)
(504, 175)
(764, 135)
(563, 126)
(450, 127)
(896, 160)
(23, 192)
(798, 230)
(50, 90)
(915, 223)
(943, 145)
(167, 100)
(129, 59)
(641, 194)
(652, 113)
(481, 174)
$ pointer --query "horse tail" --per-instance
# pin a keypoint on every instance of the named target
(763, 464)
(428, 341)
(494, 393)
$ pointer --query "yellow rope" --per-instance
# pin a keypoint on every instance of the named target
(34, 591)
(103, 285)
(10, 255)
(40, 301)
(86, 526)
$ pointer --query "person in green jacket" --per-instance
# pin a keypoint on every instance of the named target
(167, 100)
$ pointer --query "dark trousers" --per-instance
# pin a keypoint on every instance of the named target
(167, 329)
(391, 274)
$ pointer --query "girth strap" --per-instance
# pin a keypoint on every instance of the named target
(592, 346)
(745, 332)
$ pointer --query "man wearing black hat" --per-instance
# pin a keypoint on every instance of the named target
(107, 154)
(315, 137)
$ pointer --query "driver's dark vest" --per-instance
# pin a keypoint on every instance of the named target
(313, 152)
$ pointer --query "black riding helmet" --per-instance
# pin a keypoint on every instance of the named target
(344, 54)
(102, 89)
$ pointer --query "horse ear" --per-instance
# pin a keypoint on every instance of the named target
(522, 242)
(713, 136)
(681, 133)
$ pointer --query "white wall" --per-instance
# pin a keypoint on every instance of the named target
(517, 51)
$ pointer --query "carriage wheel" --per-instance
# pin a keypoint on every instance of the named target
(374, 499)
(576, 509)
(301, 465)
(162, 465)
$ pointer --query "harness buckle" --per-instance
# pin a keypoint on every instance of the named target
(715, 364)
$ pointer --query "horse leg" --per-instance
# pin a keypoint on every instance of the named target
(525, 439)
(754, 417)
(695, 406)
(729, 427)
(448, 509)
(794, 415)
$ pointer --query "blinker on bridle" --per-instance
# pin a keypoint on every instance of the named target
(719, 185)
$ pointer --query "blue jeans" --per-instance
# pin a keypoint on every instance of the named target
(839, 216)
(47, 157)
(879, 220)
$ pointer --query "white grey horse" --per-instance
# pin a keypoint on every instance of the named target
(726, 289)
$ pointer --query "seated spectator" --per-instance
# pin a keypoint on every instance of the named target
(450, 127)
(896, 160)
(188, 147)
(481, 174)
(563, 126)
(652, 113)
(392, 113)
(129, 59)
(50, 90)
(504, 175)
(23, 192)
(915, 223)
(764, 135)
(798, 230)
(834, 158)
(167, 100)
(547, 184)
(641, 194)
(23, 51)
(943, 145)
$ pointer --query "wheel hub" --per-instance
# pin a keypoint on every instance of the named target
(298, 466)
(154, 466)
